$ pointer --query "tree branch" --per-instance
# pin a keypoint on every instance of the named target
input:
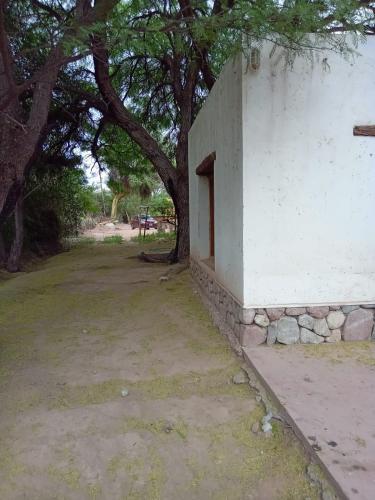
(126, 120)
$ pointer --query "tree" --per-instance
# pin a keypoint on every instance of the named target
(55, 154)
(167, 68)
(154, 63)
(129, 171)
(29, 68)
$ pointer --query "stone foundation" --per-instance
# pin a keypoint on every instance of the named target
(289, 325)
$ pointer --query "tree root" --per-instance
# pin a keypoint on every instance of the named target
(155, 257)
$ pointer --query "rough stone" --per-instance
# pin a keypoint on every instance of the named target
(251, 335)
(295, 311)
(313, 474)
(240, 378)
(272, 333)
(334, 337)
(109, 224)
(230, 319)
(306, 321)
(247, 316)
(349, 309)
(261, 320)
(267, 427)
(368, 306)
(321, 327)
(255, 427)
(261, 311)
(318, 312)
(287, 330)
(275, 313)
(335, 308)
(335, 319)
(309, 337)
(358, 325)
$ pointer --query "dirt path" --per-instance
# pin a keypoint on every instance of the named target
(102, 231)
(95, 322)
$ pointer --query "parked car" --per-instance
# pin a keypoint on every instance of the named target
(145, 222)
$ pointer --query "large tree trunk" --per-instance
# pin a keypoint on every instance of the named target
(2, 250)
(180, 198)
(116, 198)
(175, 180)
(13, 263)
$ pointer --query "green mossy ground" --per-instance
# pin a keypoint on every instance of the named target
(358, 352)
(87, 324)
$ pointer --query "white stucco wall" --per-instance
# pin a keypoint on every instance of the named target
(308, 183)
(218, 128)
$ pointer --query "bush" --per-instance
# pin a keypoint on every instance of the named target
(161, 204)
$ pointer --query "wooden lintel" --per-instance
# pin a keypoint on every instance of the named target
(206, 167)
(367, 130)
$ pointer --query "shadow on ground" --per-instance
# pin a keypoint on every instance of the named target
(93, 324)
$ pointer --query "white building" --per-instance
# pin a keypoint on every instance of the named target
(282, 194)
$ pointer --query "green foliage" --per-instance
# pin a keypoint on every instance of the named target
(129, 206)
(55, 203)
(145, 39)
(65, 192)
(161, 204)
(130, 174)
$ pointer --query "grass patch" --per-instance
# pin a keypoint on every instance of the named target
(214, 382)
(159, 236)
(68, 476)
(78, 242)
(361, 352)
(113, 240)
(156, 427)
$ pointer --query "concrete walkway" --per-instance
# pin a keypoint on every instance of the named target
(328, 392)
(116, 386)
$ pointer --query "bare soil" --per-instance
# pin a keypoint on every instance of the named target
(114, 385)
(102, 231)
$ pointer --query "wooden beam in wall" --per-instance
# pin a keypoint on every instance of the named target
(206, 167)
(367, 130)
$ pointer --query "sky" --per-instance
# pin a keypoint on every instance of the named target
(92, 172)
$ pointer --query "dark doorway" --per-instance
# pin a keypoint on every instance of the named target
(206, 169)
(211, 195)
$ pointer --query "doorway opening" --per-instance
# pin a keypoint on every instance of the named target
(206, 170)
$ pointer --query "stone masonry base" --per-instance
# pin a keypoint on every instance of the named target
(290, 325)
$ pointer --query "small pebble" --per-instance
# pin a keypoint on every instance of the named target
(240, 378)
(124, 393)
(168, 427)
(266, 427)
(267, 418)
(163, 278)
